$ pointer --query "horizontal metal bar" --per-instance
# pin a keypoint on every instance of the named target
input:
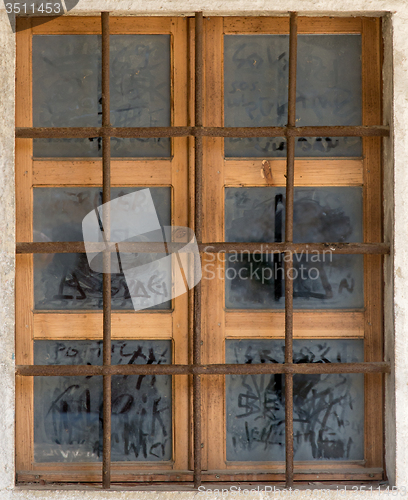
(339, 131)
(91, 132)
(145, 247)
(305, 248)
(216, 369)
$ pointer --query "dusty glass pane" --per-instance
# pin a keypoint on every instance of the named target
(67, 91)
(65, 281)
(255, 90)
(328, 80)
(68, 417)
(140, 91)
(332, 214)
(328, 410)
(328, 91)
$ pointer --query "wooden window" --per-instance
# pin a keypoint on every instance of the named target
(241, 191)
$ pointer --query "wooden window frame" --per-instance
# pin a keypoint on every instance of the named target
(222, 324)
(49, 172)
(184, 173)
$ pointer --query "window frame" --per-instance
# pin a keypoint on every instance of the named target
(41, 172)
(227, 172)
(212, 117)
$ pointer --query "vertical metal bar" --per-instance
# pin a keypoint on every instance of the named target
(290, 167)
(198, 166)
(106, 155)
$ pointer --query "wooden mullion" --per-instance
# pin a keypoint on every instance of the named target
(213, 289)
(180, 193)
(373, 274)
(24, 263)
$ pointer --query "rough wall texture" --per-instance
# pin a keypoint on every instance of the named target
(396, 222)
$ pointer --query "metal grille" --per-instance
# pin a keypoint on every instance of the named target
(196, 369)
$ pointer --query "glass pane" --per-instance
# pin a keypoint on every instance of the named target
(68, 417)
(67, 91)
(255, 90)
(140, 91)
(328, 91)
(328, 80)
(328, 410)
(65, 281)
(257, 214)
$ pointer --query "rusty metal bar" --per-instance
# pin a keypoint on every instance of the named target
(144, 247)
(292, 131)
(106, 197)
(290, 189)
(127, 132)
(214, 369)
(198, 174)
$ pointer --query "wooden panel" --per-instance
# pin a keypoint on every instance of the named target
(70, 25)
(67, 172)
(179, 181)
(191, 209)
(213, 202)
(142, 25)
(306, 324)
(71, 326)
(322, 25)
(24, 356)
(24, 232)
(272, 25)
(310, 172)
(89, 172)
(373, 273)
(280, 25)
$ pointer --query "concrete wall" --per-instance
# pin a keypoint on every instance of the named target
(396, 227)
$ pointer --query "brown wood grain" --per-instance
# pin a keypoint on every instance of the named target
(24, 231)
(213, 230)
(179, 181)
(308, 172)
(280, 25)
(80, 325)
(373, 273)
(306, 324)
(82, 172)
(91, 25)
